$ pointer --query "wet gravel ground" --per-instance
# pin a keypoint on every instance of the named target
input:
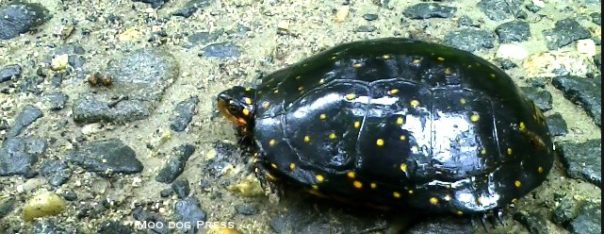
(107, 117)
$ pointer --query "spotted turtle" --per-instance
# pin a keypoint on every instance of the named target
(394, 121)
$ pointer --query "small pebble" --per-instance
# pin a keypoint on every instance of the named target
(43, 204)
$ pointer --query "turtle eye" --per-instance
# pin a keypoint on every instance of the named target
(233, 109)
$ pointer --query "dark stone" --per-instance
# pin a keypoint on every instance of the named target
(18, 155)
(598, 59)
(506, 64)
(538, 82)
(56, 100)
(586, 92)
(582, 160)
(465, 20)
(566, 210)
(138, 83)
(55, 171)
(28, 115)
(443, 225)
(3, 124)
(596, 17)
(498, 10)
(113, 227)
(106, 157)
(246, 209)
(202, 38)
(365, 28)
(175, 164)
(588, 221)
(557, 125)
(10, 72)
(70, 196)
(532, 7)
(30, 85)
(188, 211)
(181, 188)
(42, 226)
(18, 17)
(191, 7)
(142, 215)
(542, 98)
(154, 3)
(429, 10)
(6, 206)
(370, 17)
(226, 154)
(184, 112)
(223, 50)
(565, 32)
(166, 192)
(516, 30)
(470, 39)
(535, 223)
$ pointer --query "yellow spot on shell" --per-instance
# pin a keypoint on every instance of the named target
(447, 197)
(357, 124)
(517, 183)
(315, 187)
(483, 151)
(433, 201)
(521, 126)
(265, 104)
(396, 194)
(357, 184)
(393, 91)
(320, 178)
(474, 117)
(386, 56)
(414, 149)
(440, 59)
(357, 65)
(301, 88)
(403, 167)
(245, 111)
(275, 91)
(292, 166)
(414, 103)
(403, 137)
(247, 100)
(321, 81)
(509, 151)
(459, 212)
(332, 136)
(410, 191)
(272, 142)
(448, 71)
(492, 76)
(351, 174)
(462, 101)
(379, 142)
(373, 185)
(416, 61)
(323, 117)
(540, 170)
(350, 96)
(274, 165)
(400, 121)
(306, 139)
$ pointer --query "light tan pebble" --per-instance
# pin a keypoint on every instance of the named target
(42, 205)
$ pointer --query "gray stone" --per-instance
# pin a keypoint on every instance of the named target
(153, 3)
(191, 7)
(246, 209)
(105, 157)
(175, 164)
(429, 10)
(113, 227)
(513, 31)
(365, 28)
(56, 100)
(28, 115)
(18, 155)
(181, 188)
(10, 72)
(588, 221)
(541, 97)
(142, 215)
(535, 223)
(183, 114)
(188, 211)
(556, 124)
(442, 225)
(582, 160)
(56, 172)
(42, 226)
(596, 17)
(565, 32)
(6, 206)
(585, 91)
(138, 83)
(370, 17)
(470, 39)
(18, 17)
(223, 50)
(566, 210)
(501, 9)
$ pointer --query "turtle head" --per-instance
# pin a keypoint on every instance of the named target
(237, 105)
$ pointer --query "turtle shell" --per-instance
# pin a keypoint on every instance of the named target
(402, 122)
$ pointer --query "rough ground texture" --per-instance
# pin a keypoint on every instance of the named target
(110, 105)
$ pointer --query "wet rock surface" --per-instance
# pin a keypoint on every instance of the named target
(18, 155)
(17, 18)
(175, 164)
(541, 98)
(28, 115)
(582, 160)
(513, 31)
(556, 124)
(498, 10)
(470, 39)
(9, 72)
(56, 101)
(535, 223)
(429, 10)
(584, 91)
(183, 113)
(106, 157)
(589, 220)
(189, 210)
(55, 171)
(565, 32)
